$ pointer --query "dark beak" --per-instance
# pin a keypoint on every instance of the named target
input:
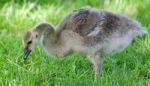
(26, 53)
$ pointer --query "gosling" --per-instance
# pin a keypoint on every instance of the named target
(91, 31)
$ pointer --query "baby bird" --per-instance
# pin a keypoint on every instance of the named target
(91, 31)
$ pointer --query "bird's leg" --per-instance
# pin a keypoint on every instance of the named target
(97, 62)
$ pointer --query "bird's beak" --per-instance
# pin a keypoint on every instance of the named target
(26, 53)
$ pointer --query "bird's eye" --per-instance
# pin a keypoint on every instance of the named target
(29, 42)
(36, 35)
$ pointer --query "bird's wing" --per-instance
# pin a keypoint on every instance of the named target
(88, 22)
(82, 21)
(91, 22)
(85, 21)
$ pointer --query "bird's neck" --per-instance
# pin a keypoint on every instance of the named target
(52, 42)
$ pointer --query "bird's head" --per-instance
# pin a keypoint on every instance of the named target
(30, 40)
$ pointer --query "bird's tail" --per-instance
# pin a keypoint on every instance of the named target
(141, 31)
(138, 28)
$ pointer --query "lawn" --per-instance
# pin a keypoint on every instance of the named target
(130, 67)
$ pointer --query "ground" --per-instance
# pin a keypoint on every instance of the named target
(130, 67)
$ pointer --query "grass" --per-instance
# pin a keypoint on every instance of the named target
(130, 67)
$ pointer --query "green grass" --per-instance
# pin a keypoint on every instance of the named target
(130, 67)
